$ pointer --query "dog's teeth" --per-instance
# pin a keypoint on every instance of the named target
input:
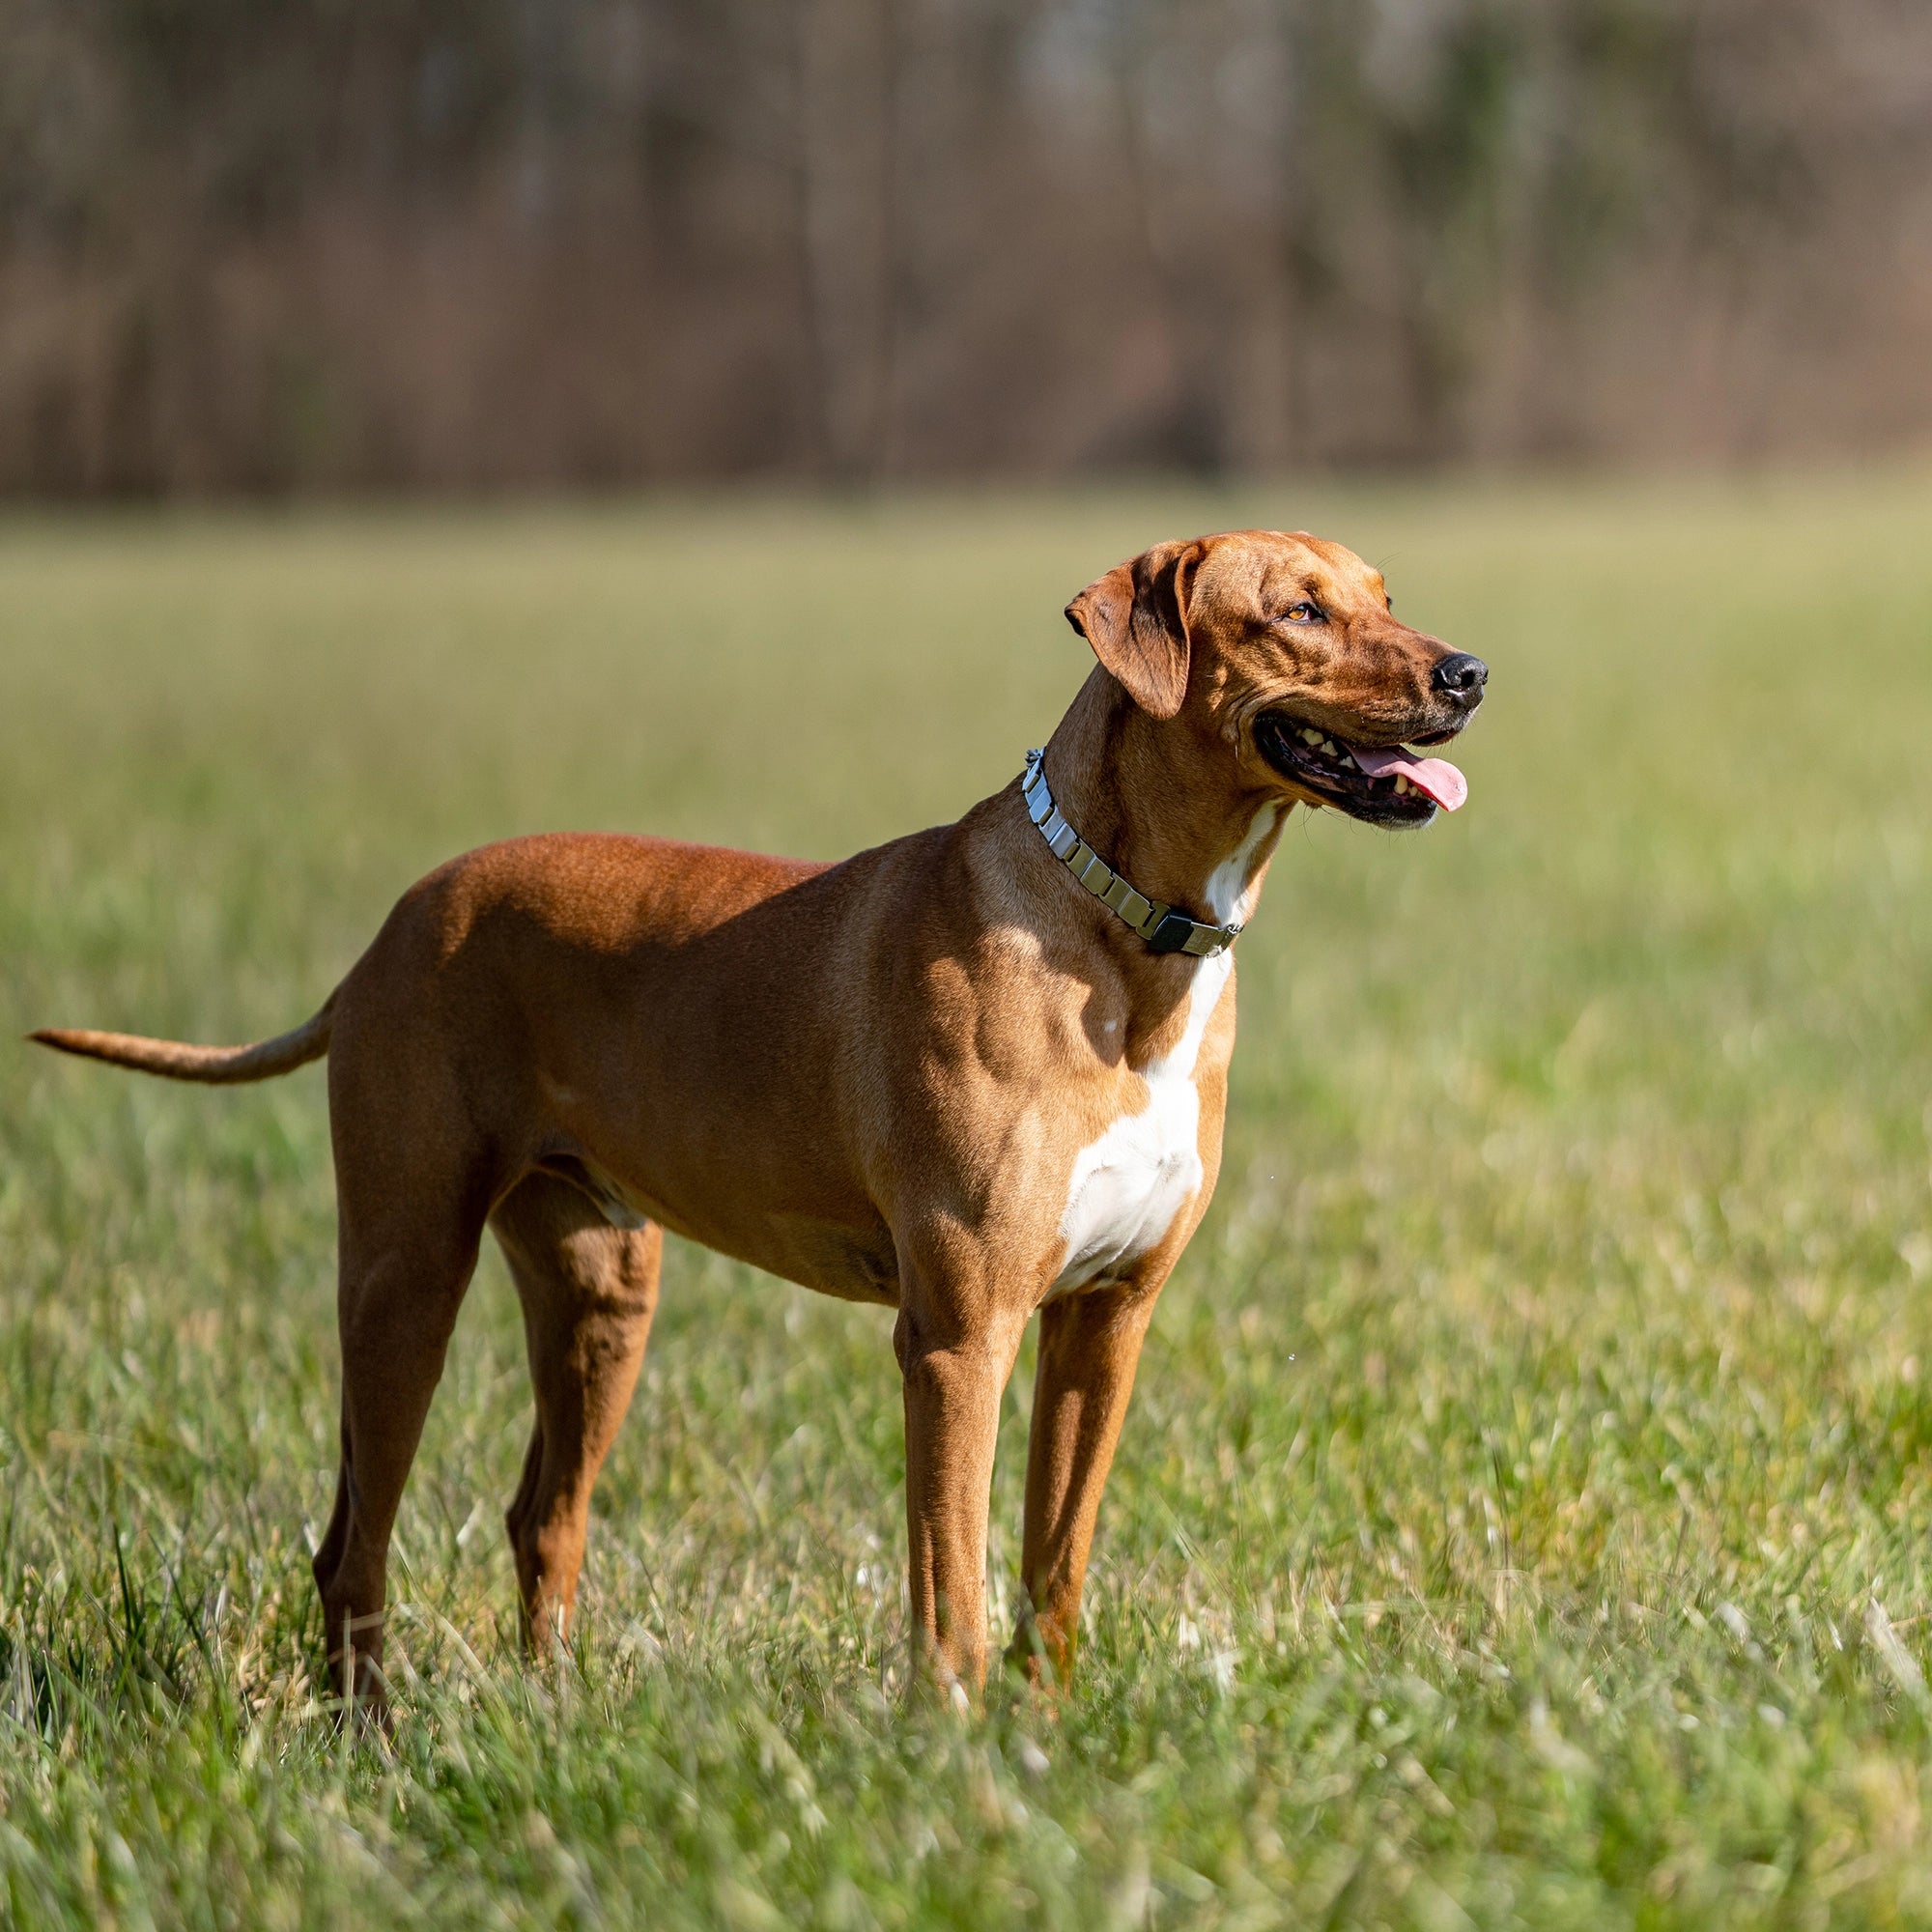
(1401, 785)
(1310, 736)
(1329, 745)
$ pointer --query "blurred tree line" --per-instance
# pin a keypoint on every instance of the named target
(274, 245)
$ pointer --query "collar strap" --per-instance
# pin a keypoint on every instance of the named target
(1164, 930)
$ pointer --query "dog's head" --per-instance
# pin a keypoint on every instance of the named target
(1285, 647)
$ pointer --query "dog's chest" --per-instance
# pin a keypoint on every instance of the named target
(1130, 1182)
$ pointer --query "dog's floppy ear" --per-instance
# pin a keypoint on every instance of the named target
(1136, 619)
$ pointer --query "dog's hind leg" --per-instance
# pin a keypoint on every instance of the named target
(588, 1291)
(410, 1228)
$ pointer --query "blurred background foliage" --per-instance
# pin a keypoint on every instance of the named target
(275, 245)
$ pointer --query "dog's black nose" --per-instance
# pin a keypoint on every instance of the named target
(1461, 678)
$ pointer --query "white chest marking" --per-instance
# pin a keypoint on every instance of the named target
(1129, 1184)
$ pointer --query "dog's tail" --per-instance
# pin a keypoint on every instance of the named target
(213, 1066)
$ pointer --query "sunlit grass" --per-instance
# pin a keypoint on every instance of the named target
(1519, 1452)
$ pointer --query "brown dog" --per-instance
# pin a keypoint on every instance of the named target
(975, 1075)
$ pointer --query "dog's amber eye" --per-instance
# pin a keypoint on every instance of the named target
(1304, 613)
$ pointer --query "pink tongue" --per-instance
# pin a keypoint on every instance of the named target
(1436, 777)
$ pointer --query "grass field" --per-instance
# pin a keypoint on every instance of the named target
(1523, 1515)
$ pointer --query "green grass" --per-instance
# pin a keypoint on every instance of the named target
(1519, 1449)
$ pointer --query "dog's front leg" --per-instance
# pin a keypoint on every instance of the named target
(1089, 1345)
(955, 1371)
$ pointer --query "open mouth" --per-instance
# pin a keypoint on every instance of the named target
(1381, 784)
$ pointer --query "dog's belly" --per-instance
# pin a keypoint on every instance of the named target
(852, 1258)
(1130, 1182)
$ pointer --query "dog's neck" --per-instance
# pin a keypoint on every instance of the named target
(1164, 803)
